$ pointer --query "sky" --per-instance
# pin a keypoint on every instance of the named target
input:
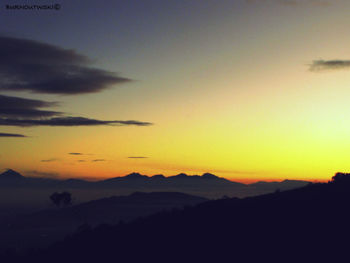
(247, 90)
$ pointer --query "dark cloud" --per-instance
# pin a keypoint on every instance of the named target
(321, 65)
(28, 65)
(49, 160)
(81, 161)
(137, 157)
(75, 153)
(25, 108)
(15, 111)
(67, 121)
(132, 122)
(98, 160)
(12, 135)
(38, 67)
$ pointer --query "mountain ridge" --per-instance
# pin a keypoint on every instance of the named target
(206, 185)
(134, 175)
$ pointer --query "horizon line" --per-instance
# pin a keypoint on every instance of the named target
(246, 181)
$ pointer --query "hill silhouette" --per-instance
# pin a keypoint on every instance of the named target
(303, 225)
(46, 226)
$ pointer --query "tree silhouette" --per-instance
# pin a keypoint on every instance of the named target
(343, 178)
(61, 199)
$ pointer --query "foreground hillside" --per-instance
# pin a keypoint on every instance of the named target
(302, 225)
(42, 228)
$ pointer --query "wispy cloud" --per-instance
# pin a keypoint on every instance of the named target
(25, 108)
(49, 160)
(16, 111)
(138, 157)
(15, 135)
(322, 65)
(75, 153)
(98, 160)
(44, 174)
(68, 121)
(28, 65)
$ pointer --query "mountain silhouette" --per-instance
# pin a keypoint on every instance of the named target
(33, 191)
(10, 175)
(308, 224)
(175, 180)
(11, 178)
(209, 176)
(135, 176)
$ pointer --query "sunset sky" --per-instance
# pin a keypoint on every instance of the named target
(247, 90)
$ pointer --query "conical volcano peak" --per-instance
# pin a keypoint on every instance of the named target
(11, 174)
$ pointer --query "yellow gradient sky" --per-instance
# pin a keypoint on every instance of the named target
(227, 86)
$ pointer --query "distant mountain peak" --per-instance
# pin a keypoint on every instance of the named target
(135, 175)
(181, 175)
(293, 181)
(209, 176)
(11, 174)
